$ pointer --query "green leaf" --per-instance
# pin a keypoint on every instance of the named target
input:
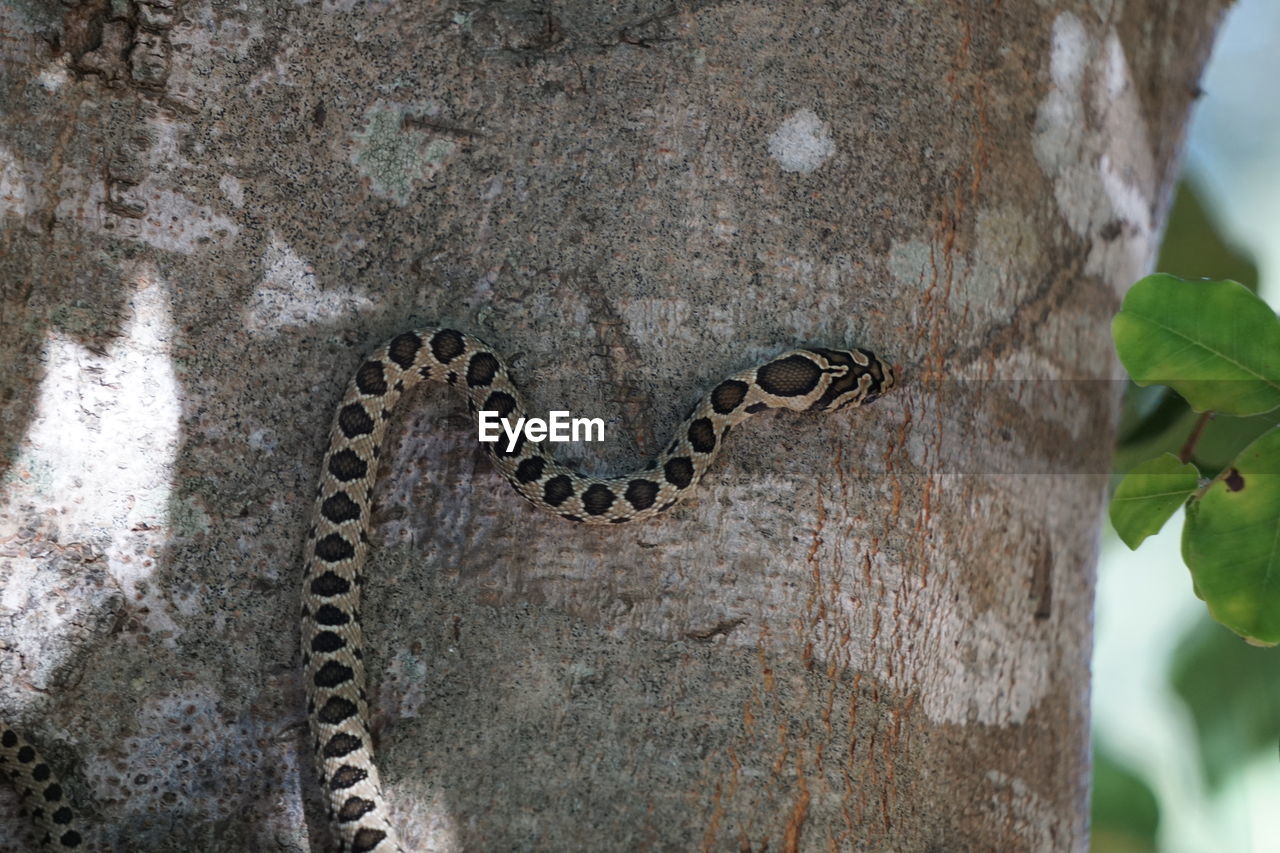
(1149, 494)
(1213, 342)
(1231, 543)
(1232, 691)
(1125, 813)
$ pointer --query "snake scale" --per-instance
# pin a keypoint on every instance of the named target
(811, 379)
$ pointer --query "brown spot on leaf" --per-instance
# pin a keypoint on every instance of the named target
(1234, 481)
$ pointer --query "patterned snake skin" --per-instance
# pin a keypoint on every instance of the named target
(41, 791)
(806, 379)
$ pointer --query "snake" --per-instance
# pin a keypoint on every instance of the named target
(814, 379)
(811, 379)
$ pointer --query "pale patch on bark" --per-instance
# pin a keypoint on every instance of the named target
(802, 143)
(106, 424)
(1091, 140)
(15, 198)
(968, 667)
(1027, 815)
(994, 282)
(995, 675)
(173, 223)
(395, 157)
(101, 448)
(232, 189)
(54, 75)
(1004, 266)
(289, 295)
(164, 219)
(644, 314)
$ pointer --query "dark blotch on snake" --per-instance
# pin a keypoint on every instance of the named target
(641, 493)
(346, 776)
(757, 408)
(336, 710)
(597, 499)
(728, 395)
(8, 739)
(70, 838)
(354, 809)
(679, 471)
(329, 585)
(331, 616)
(403, 349)
(366, 839)
(371, 379)
(500, 402)
(481, 370)
(40, 772)
(501, 449)
(333, 549)
(557, 490)
(62, 815)
(530, 469)
(26, 755)
(327, 642)
(702, 435)
(332, 674)
(346, 465)
(792, 376)
(338, 507)
(340, 744)
(53, 793)
(446, 345)
(354, 421)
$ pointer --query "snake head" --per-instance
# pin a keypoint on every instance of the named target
(855, 377)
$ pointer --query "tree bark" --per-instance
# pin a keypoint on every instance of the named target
(868, 631)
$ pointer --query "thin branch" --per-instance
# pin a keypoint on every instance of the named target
(1189, 447)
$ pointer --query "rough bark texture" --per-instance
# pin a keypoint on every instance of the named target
(870, 631)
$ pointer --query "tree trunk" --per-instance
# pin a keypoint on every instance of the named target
(867, 631)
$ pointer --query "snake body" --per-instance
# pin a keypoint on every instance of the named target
(814, 379)
(41, 791)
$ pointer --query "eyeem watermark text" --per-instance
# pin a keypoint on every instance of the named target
(559, 427)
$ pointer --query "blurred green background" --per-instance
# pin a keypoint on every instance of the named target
(1186, 716)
